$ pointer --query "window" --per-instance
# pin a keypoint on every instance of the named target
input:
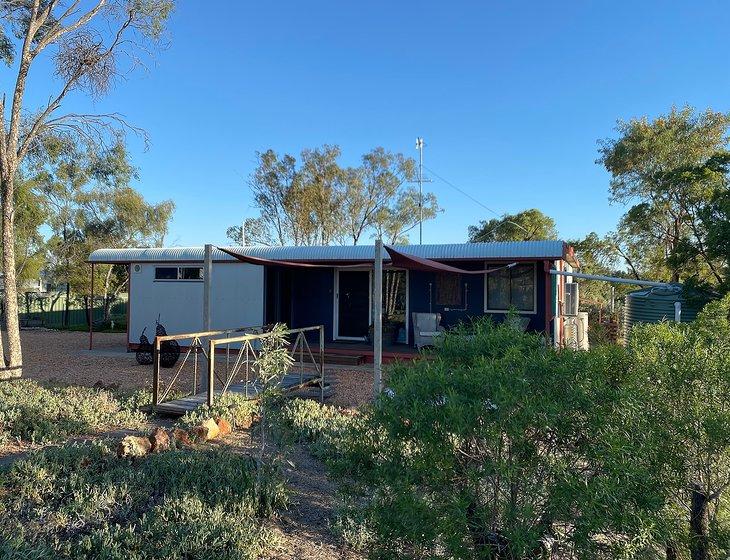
(448, 289)
(166, 273)
(511, 287)
(191, 273)
(179, 273)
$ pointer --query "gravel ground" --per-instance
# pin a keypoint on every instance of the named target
(62, 357)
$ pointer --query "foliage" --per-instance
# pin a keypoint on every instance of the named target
(667, 171)
(29, 412)
(90, 204)
(84, 47)
(683, 372)
(233, 407)
(82, 502)
(527, 225)
(498, 447)
(317, 201)
(323, 427)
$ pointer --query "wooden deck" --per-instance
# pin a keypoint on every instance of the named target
(251, 390)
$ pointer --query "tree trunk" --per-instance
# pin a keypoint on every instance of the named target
(699, 522)
(14, 356)
(672, 552)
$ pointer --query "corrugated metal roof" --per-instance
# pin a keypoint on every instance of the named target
(496, 250)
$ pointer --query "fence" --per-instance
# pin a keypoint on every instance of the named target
(40, 316)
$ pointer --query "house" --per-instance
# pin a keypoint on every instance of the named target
(332, 286)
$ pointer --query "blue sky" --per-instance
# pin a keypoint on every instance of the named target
(510, 97)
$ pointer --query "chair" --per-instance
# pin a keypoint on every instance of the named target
(426, 328)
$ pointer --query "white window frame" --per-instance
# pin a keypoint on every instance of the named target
(178, 279)
(533, 311)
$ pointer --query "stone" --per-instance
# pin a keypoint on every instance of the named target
(181, 437)
(160, 440)
(207, 430)
(224, 427)
(134, 446)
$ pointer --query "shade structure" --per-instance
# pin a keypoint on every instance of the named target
(411, 262)
(397, 260)
(293, 264)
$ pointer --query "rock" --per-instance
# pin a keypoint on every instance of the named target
(245, 422)
(160, 440)
(224, 427)
(181, 436)
(207, 430)
(134, 446)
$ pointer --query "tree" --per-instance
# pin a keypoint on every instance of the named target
(89, 204)
(527, 225)
(393, 222)
(88, 40)
(667, 171)
(371, 188)
(315, 201)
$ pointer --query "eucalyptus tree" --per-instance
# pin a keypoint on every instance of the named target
(527, 225)
(314, 200)
(84, 46)
(666, 171)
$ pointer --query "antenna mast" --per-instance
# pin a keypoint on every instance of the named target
(419, 146)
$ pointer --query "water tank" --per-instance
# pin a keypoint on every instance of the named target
(652, 305)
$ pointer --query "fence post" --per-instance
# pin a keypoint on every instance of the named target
(156, 374)
(321, 363)
(211, 366)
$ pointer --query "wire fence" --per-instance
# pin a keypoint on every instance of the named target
(36, 314)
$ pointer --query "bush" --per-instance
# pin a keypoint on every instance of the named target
(500, 447)
(234, 407)
(81, 501)
(323, 427)
(32, 413)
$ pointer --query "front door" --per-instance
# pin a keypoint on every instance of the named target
(353, 304)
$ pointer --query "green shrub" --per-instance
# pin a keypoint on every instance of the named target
(81, 501)
(323, 427)
(234, 407)
(500, 447)
(32, 413)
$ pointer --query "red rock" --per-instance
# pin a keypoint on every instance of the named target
(207, 430)
(224, 427)
(160, 440)
(181, 436)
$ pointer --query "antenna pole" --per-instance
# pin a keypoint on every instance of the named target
(419, 147)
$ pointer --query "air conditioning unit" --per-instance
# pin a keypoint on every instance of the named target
(570, 306)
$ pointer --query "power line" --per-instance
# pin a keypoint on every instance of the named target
(470, 197)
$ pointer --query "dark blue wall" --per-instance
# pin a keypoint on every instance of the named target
(312, 299)
(418, 297)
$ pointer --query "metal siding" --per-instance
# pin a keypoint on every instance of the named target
(497, 250)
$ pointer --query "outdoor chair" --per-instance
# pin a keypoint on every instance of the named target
(426, 328)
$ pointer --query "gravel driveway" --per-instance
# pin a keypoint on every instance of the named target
(63, 357)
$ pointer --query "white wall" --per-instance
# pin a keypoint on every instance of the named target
(237, 299)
